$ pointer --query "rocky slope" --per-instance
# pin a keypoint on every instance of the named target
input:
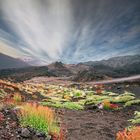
(116, 62)
(111, 68)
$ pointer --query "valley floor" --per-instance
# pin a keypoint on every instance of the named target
(90, 124)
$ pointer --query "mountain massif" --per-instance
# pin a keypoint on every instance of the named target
(115, 67)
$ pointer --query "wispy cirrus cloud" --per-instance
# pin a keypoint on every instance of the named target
(71, 31)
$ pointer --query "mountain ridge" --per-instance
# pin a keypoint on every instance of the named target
(7, 62)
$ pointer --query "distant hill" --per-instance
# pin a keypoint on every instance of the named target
(22, 74)
(59, 69)
(10, 62)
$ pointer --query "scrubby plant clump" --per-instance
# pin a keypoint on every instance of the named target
(38, 117)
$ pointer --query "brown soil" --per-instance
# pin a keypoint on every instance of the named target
(96, 125)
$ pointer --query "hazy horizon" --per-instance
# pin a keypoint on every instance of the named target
(32, 64)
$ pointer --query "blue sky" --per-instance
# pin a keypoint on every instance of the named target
(71, 31)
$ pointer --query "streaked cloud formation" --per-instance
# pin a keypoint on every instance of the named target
(69, 30)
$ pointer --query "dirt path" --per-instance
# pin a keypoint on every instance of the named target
(96, 125)
(117, 80)
(66, 81)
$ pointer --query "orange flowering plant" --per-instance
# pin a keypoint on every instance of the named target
(133, 134)
(108, 105)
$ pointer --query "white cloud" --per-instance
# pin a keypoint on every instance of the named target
(44, 28)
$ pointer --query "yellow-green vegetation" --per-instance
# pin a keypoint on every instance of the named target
(136, 119)
(132, 102)
(122, 98)
(113, 98)
(72, 98)
(68, 105)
